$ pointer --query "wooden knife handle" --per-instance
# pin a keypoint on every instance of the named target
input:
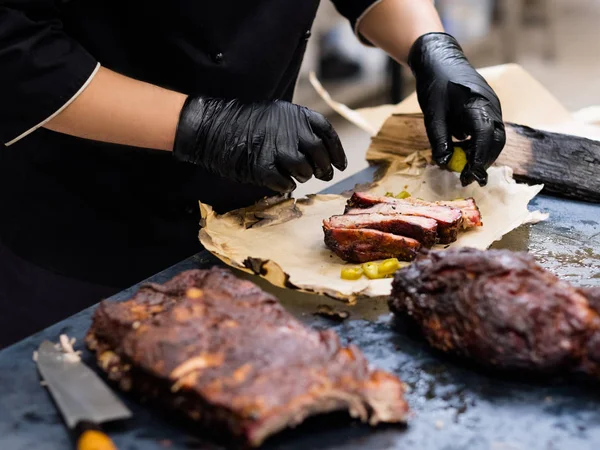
(91, 437)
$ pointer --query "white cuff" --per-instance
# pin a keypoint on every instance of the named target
(362, 16)
(56, 113)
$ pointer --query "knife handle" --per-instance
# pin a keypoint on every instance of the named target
(91, 437)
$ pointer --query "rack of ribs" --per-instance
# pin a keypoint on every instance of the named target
(502, 310)
(228, 356)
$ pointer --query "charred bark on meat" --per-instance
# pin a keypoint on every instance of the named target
(502, 310)
(228, 356)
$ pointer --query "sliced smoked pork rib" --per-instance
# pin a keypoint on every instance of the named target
(501, 309)
(449, 219)
(423, 229)
(469, 209)
(227, 355)
(358, 245)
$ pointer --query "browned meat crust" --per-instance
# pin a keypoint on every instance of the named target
(362, 245)
(502, 310)
(468, 208)
(227, 355)
(423, 229)
(449, 219)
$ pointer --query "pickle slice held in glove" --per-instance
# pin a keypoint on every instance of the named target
(458, 161)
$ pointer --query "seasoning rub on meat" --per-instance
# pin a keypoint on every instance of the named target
(228, 356)
(502, 310)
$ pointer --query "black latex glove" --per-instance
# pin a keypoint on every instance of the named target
(265, 144)
(456, 101)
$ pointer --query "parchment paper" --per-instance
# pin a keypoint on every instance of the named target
(525, 101)
(283, 242)
(282, 239)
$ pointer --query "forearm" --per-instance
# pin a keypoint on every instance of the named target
(121, 110)
(394, 25)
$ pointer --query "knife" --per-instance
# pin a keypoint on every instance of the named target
(82, 397)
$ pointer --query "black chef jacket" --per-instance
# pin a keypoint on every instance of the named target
(111, 214)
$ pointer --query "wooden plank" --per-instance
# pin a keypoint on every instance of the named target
(568, 166)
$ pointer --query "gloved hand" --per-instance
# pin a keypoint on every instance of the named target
(265, 144)
(456, 101)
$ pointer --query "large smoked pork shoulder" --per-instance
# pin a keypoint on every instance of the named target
(502, 310)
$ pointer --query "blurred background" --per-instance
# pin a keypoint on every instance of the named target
(557, 41)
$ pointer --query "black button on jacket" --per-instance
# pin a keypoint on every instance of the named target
(113, 214)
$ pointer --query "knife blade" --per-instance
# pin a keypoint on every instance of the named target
(81, 396)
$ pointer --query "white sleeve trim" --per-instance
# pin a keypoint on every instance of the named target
(363, 15)
(61, 109)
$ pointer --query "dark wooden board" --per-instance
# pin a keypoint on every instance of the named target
(568, 166)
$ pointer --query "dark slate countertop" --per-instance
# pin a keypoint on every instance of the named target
(455, 406)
